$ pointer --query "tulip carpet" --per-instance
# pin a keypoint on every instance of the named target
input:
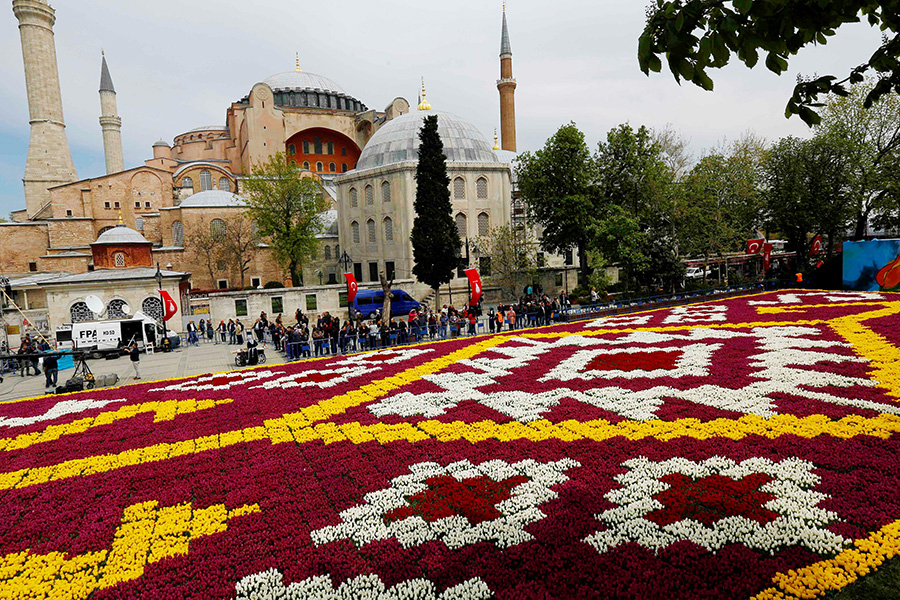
(745, 448)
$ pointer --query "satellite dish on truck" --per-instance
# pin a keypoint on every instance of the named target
(126, 310)
(95, 304)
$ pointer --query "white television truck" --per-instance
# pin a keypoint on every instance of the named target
(100, 338)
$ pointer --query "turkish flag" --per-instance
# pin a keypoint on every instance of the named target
(475, 285)
(169, 306)
(767, 254)
(816, 245)
(755, 246)
(352, 286)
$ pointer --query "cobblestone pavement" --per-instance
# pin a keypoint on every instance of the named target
(183, 362)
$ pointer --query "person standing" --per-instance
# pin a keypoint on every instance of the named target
(51, 370)
(232, 338)
(239, 332)
(135, 356)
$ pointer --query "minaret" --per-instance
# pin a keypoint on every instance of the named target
(110, 122)
(49, 160)
(507, 86)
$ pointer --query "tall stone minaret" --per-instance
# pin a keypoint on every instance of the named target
(110, 122)
(507, 86)
(49, 160)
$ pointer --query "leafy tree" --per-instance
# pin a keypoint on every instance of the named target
(435, 239)
(871, 138)
(286, 206)
(674, 149)
(513, 255)
(556, 184)
(634, 223)
(720, 202)
(806, 189)
(697, 35)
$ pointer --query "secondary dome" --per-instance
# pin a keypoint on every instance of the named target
(121, 235)
(213, 198)
(398, 141)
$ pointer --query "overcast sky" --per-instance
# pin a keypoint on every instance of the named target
(177, 65)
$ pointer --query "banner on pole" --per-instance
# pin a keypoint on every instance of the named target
(475, 285)
(169, 306)
(352, 287)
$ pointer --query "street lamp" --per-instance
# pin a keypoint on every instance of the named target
(159, 277)
(6, 294)
(345, 261)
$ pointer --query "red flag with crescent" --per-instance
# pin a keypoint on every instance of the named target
(169, 306)
(816, 245)
(767, 254)
(755, 246)
(352, 286)
(475, 285)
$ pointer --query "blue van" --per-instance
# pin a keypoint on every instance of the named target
(368, 302)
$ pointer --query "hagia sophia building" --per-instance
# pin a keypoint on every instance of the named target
(76, 236)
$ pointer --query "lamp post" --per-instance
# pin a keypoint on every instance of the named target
(159, 277)
(345, 261)
(6, 293)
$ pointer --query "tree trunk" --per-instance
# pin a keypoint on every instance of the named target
(861, 220)
(437, 298)
(583, 267)
(295, 274)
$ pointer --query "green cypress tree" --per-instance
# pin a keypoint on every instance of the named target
(434, 236)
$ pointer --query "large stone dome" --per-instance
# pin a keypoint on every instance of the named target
(301, 80)
(301, 89)
(398, 141)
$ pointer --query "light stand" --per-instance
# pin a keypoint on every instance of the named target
(159, 277)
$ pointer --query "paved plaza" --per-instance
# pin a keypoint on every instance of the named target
(183, 362)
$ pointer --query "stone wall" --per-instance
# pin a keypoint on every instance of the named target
(22, 244)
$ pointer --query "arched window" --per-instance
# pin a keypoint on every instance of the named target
(459, 189)
(484, 224)
(187, 182)
(305, 142)
(332, 167)
(481, 188)
(343, 167)
(354, 228)
(337, 250)
(306, 165)
(320, 168)
(370, 195)
(224, 184)
(153, 308)
(205, 180)
(388, 229)
(81, 313)
(370, 226)
(327, 252)
(354, 199)
(292, 149)
(119, 259)
(317, 144)
(386, 191)
(177, 233)
(217, 229)
(114, 309)
(330, 147)
(461, 225)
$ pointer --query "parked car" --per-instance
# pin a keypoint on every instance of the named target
(695, 273)
(371, 302)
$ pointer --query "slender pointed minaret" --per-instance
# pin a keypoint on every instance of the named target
(49, 160)
(110, 121)
(507, 86)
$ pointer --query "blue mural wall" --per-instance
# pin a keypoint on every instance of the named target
(863, 261)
